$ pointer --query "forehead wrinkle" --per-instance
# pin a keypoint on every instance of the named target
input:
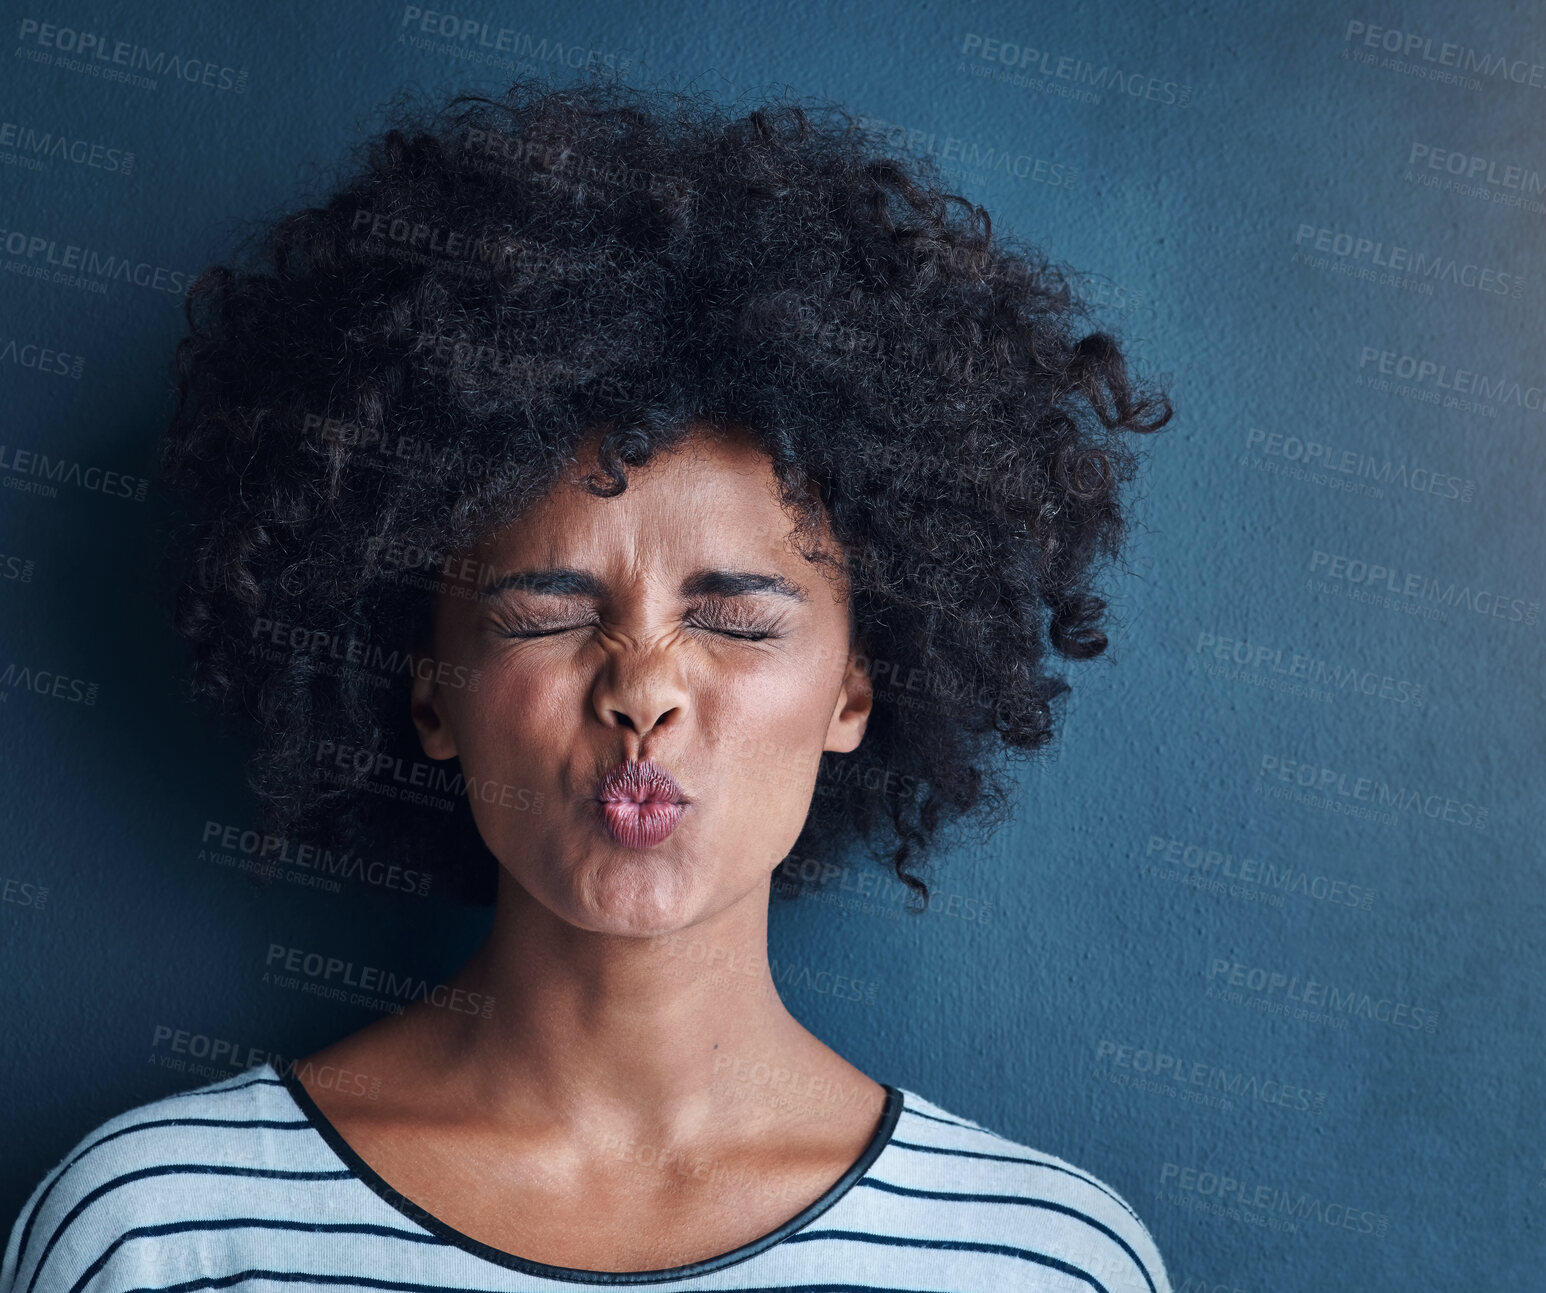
(720, 510)
(647, 545)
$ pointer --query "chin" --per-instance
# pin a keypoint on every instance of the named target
(634, 896)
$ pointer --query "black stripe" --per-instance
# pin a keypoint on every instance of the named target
(965, 1126)
(176, 1095)
(1029, 1162)
(1014, 1198)
(303, 1277)
(141, 1126)
(257, 1223)
(168, 1169)
(956, 1245)
(306, 1277)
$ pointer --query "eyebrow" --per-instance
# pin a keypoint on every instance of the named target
(564, 582)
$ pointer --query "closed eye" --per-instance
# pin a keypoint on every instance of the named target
(747, 635)
(725, 622)
(540, 633)
(744, 635)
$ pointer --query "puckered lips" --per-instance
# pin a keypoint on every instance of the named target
(640, 803)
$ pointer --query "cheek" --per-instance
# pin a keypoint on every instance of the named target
(773, 728)
(512, 736)
(511, 718)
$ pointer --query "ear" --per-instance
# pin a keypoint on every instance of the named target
(851, 713)
(426, 704)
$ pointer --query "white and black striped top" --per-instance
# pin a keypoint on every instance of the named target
(243, 1184)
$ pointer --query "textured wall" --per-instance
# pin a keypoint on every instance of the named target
(1266, 913)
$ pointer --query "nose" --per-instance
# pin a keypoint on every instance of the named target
(636, 720)
(640, 690)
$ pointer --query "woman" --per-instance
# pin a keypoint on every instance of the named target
(633, 465)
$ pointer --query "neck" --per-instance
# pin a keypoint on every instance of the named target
(655, 1038)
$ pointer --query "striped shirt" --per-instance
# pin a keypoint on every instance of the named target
(244, 1184)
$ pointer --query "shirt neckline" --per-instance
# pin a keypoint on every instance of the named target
(367, 1175)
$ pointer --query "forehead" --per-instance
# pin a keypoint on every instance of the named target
(713, 496)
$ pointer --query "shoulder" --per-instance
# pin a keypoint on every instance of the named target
(148, 1171)
(1034, 1206)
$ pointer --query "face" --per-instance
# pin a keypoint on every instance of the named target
(674, 624)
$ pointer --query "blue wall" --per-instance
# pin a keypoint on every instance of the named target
(1271, 910)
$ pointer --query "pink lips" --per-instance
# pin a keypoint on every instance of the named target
(641, 804)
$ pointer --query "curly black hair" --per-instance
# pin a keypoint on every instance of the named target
(408, 365)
